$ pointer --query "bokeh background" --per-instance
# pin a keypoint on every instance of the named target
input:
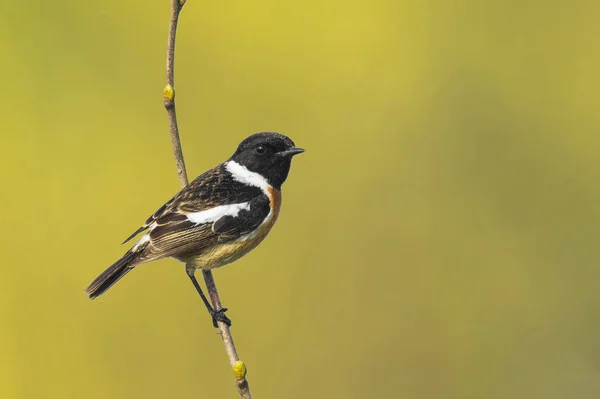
(438, 239)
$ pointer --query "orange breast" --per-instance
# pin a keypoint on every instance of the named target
(275, 203)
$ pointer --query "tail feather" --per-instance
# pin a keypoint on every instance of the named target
(111, 275)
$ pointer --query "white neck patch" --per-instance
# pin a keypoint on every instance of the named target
(243, 175)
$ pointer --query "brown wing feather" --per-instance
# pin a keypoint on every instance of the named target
(178, 239)
(212, 188)
(174, 235)
(166, 208)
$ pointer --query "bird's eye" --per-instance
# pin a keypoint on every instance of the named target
(260, 150)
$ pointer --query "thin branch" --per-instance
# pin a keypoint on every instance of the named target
(238, 367)
(169, 93)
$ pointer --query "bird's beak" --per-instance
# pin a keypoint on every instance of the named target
(291, 152)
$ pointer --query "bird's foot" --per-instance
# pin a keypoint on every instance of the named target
(219, 315)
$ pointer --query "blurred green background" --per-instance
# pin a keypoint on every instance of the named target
(438, 239)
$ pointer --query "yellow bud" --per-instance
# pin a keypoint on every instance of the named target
(239, 370)
(169, 93)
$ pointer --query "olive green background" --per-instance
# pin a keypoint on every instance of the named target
(438, 239)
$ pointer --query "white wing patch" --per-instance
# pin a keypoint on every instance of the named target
(214, 214)
(145, 238)
(243, 175)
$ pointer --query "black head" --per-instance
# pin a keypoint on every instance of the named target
(268, 154)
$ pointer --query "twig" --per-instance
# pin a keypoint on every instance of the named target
(238, 367)
(169, 93)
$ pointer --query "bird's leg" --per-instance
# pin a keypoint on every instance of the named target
(217, 315)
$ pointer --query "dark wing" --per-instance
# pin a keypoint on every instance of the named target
(178, 239)
(174, 235)
(232, 227)
(160, 211)
(212, 188)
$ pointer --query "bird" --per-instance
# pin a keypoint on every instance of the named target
(216, 219)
